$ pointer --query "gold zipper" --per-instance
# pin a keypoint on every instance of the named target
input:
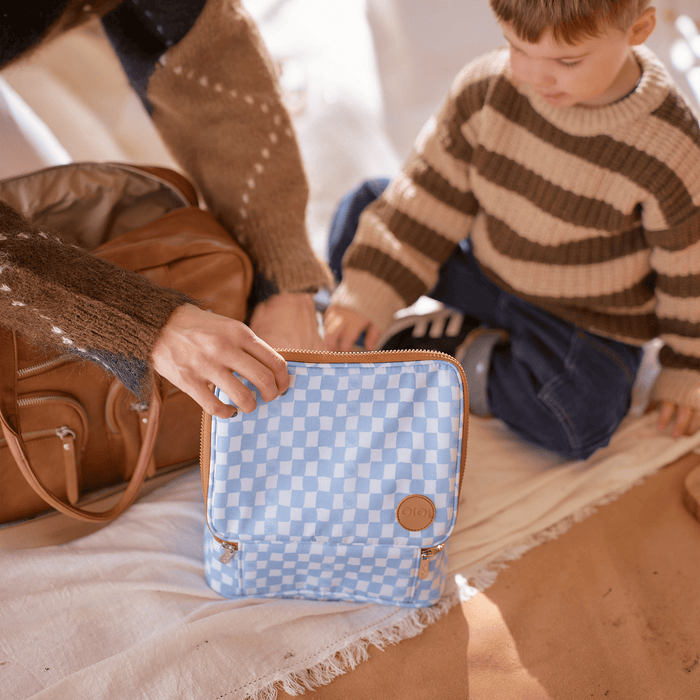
(293, 354)
(57, 398)
(62, 432)
(41, 366)
(32, 400)
(426, 556)
(230, 548)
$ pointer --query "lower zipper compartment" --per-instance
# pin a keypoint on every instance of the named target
(314, 570)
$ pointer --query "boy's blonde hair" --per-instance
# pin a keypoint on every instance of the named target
(570, 20)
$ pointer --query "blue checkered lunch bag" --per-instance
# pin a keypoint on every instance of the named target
(346, 487)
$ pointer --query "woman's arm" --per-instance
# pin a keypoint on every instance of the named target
(61, 297)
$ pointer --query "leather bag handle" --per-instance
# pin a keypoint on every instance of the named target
(9, 421)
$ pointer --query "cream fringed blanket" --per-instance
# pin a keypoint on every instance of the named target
(125, 612)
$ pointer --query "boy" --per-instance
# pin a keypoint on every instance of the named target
(554, 200)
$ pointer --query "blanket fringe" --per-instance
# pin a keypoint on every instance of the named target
(348, 657)
(480, 580)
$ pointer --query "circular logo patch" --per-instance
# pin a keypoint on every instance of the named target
(415, 513)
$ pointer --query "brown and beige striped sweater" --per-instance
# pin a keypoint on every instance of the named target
(592, 214)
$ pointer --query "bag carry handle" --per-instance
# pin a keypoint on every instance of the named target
(9, 420)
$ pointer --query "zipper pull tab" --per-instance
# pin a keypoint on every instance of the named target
(70, 463)
(425, 557)
(230, 548)
(424, 567)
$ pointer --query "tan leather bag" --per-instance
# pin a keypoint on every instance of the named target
(70, 430)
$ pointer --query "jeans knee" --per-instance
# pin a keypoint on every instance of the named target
(578, 408)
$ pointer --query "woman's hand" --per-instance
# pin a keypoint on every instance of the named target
(197, 348)
(343, 326)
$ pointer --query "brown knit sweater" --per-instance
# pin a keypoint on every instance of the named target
(592, 214)
(217, 105)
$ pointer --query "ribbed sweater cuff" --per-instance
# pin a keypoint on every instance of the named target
(285, 256)
(369, 296)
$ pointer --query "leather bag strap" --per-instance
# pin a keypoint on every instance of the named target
(9, 421)
(8, 378)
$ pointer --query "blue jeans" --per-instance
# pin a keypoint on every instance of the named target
(553, 383)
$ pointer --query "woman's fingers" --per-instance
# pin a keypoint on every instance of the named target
(203, 395)
(197, 348)
(265, 368)
(267, 373)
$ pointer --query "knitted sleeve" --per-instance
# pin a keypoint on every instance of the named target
(60, 296)
(675, 236)
(404, 237)
(204, 75)
(214, 98)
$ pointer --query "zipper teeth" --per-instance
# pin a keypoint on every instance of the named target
(427, 551)
(432, 551)
(428, 354)
(53, 398)
(32, 400)
(119, 166)
(32, 434)
(376, 355)
(47, 364)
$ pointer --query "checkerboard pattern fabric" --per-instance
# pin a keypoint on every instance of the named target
(308, 485)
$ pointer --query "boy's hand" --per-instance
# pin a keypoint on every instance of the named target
(197, 348)
(342, 327)
(687, 420)
(288, 320)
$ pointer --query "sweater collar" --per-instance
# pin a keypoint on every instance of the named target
(651, 90)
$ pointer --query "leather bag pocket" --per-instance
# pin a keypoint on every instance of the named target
(54, 431)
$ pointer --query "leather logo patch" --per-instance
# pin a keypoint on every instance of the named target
(415, 513)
